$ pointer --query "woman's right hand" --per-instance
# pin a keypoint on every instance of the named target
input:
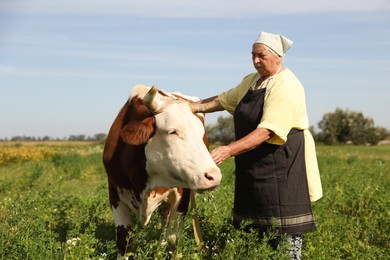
(220, 154)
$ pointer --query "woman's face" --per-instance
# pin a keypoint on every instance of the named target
(264, 60)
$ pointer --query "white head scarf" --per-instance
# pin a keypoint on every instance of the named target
(278, 43)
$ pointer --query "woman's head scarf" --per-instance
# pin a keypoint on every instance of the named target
(278, 43)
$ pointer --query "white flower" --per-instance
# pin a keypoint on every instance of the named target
(73, 241)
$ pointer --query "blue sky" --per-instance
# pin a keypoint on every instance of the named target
(66, 67)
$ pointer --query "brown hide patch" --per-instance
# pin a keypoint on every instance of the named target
(184, 201)
(134, 110)
(138, 132)
(139, 110)
(113, 195)
(159, 191)
(125, 164)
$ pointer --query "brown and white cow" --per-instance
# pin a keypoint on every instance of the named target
(155, 152)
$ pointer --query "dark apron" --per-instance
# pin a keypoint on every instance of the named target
(271, 186)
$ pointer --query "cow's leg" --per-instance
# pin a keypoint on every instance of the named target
(178, 205)
(122, 218)
(122, 214)
(174, 229)
(164, 211)
(123, 205)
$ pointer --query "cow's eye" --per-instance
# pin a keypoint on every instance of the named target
(172, 132)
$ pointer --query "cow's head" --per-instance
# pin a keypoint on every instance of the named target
(176, 155)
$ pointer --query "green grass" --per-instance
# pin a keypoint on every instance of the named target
(58, 209)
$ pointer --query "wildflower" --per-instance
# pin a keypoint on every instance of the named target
(73, 241)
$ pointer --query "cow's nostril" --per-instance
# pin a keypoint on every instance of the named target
(213, 175)
(210, 180)
(209, 176)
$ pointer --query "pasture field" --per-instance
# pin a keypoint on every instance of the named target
(54, 205)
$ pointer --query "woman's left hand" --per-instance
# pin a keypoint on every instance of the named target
(220, 154)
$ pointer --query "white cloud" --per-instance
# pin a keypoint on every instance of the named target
(194, 8)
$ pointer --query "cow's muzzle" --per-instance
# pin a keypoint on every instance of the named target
(211, 179)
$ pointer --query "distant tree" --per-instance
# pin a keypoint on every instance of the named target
(221, 132)
(46, 138)
(343, 126)
(383, 133)
(16, 138)
(76, 138)
(100, 137)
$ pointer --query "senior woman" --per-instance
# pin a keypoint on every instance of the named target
(274, 152)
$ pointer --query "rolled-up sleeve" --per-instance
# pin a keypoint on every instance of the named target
(230, 99)
(278, 117)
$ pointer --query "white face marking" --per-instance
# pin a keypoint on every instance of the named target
(176, 154)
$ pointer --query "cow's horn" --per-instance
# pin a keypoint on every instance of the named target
(149, 100)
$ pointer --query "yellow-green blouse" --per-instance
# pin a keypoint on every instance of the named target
(284, 108)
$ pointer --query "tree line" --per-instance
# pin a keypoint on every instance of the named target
(342, 126)
(101, 137)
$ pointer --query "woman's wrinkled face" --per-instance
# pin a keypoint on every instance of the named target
(265, 61)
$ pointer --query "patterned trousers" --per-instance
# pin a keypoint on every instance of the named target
(295, 245)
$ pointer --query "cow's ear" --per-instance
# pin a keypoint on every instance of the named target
(137, 132)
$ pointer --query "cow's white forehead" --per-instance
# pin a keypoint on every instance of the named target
(179, 117)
